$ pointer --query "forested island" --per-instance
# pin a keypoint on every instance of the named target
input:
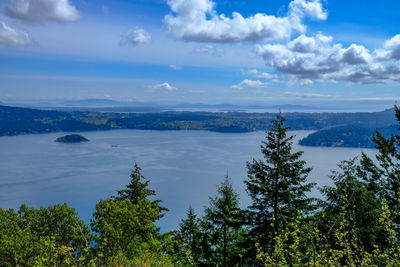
(71, 138)
(333, 129)
(356, 223)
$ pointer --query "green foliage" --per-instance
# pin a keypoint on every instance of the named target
(347, 250)
(138, 189)
(147, 258)
(187, 241)
(277, 185)
(18, 246)
(223, 224)
(125, 227)
(388, 169)
(126, 224)
(362, 204)
(53, 235)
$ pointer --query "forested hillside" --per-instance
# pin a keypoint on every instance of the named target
(357, 126)
(347, 136)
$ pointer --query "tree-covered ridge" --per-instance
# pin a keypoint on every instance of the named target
(347, 136)
(355, 224)
(15, 120)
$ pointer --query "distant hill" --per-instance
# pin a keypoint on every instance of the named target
(347, 136)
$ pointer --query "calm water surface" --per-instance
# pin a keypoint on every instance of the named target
(184, 167)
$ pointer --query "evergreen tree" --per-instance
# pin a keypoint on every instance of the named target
(277, 185)
(126, 224)
(187, 240)
(383, 175)
(362, 206)
(223, 223)
(138, 189)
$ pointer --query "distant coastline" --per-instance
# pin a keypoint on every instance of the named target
(332, 129)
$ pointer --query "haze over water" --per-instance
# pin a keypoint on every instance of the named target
(184, 167)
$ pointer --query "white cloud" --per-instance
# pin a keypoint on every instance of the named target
(312, 9)
(260, 75)
(317, 58)
(250, 84)
(43, 10)
(197, 20)
(164, 87)
(135, 36)
(391, 49)
(13, 37)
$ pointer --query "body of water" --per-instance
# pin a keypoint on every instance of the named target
(184, 167)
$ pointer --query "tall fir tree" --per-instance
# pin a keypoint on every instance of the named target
(223, 224)
(138, 189)
(277, 185)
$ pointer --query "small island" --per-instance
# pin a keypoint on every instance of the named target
(72, 138)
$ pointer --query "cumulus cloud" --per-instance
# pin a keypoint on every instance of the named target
(260, 75)
(317, 58)
(135, 36)
(164, 87)
(197, 20)
(391, 49)
(250, 84)
(312, 9)
(42, 10)
(13, 37)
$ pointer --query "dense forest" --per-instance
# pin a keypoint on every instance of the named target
(347, 136)
(355, 224)
(334, 129)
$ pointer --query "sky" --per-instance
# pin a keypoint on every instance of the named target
(201, 51)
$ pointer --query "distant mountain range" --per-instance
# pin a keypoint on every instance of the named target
(109, 104)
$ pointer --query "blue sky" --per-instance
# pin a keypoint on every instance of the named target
(300, 51)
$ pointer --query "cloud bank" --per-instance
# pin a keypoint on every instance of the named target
(286, 46)
(12, 37)
(319, 58)
(42, 10)
(197, 20)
